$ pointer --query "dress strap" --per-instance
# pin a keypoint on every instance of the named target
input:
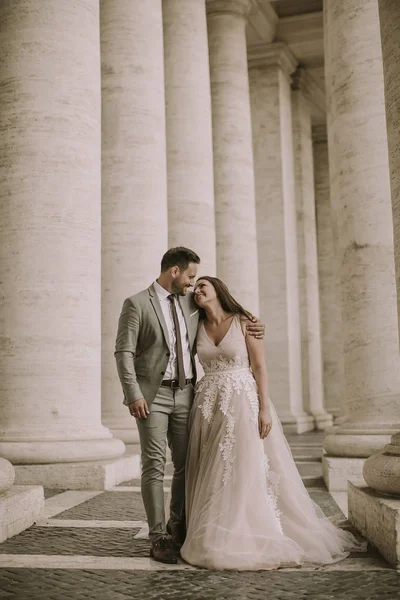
(241, 325)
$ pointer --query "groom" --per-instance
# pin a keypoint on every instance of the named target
(155, 361)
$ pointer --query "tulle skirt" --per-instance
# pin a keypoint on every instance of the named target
(246, 505)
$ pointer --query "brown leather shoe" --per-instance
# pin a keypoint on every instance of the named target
(163, 551)
(177, 531)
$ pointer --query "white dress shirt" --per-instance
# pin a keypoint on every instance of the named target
(172, 367)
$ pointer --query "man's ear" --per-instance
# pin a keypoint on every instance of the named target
(174, 271)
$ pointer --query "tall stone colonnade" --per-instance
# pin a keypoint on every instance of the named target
(132, 126)
(111, 117)
(362, 80)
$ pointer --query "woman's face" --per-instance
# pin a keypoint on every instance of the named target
(204, 292)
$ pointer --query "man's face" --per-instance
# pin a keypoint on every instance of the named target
(184, 280)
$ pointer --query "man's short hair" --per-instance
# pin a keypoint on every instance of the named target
(178, 257)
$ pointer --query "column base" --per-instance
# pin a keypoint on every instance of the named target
(62, 451)
(101, 475)
(332, 429)
(335, 412)
(128, 436)
(20, 506)
(297, 424)
(323, 421)
(340, 419)
(356, 445)
(337, 471)
(122, 426)
(377, 518)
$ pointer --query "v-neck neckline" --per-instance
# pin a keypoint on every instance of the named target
(227, 331)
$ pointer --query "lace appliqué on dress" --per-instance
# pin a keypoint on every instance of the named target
(273, 489)
(222, 378)
(227, 447)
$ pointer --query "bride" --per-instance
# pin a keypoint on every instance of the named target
(246, 505)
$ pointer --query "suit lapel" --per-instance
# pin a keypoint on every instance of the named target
(158, 310)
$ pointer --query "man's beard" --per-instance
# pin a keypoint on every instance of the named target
(179, 290)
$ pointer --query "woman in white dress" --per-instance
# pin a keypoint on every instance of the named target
(246, 505)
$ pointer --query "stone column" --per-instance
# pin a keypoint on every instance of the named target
(233, 157)
(134, 179)
(191, 216)
(50, 240)
(389, 14)
(332, 354)
(311, 351)
(360, 188)
(270, 67)
(376, 510)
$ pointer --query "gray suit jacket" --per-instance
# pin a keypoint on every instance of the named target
(142, 346)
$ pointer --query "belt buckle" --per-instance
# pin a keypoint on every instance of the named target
(174, 384)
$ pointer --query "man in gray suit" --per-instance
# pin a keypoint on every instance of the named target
(155, 361)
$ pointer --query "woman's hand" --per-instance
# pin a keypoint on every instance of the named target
(264, 423)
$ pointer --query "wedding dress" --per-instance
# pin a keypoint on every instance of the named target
(246, 505)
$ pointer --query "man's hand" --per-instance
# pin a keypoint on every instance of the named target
(139, 409)
(256, 328)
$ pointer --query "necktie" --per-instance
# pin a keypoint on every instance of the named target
(179, 352)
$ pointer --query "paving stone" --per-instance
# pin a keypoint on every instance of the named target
(70, 584)
(106, 542)
(109, 506)
(326, 503)
(77, 541)
(310, 437)
(312, 469)
(48, 493)
(49, 584)
(135, 482)
(313, 482)
(311, 453)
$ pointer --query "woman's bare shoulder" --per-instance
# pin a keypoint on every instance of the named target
(244, 321)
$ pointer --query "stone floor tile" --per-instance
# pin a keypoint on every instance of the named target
(308, 469)
(49, 493)
(112, 506)
(74, 541)
(326, 503)
(118, 567)
(48, 584)
(132, 482)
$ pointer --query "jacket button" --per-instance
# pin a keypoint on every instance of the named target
(162, 372)
(168, 353)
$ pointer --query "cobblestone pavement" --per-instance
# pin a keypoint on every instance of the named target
(96, 550)
(41, 584)
(108, 506)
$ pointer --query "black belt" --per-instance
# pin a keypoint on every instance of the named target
(174, 383)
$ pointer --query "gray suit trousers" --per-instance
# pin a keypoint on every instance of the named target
(168, 420)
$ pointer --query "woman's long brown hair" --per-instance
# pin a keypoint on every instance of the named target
(228, 302)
